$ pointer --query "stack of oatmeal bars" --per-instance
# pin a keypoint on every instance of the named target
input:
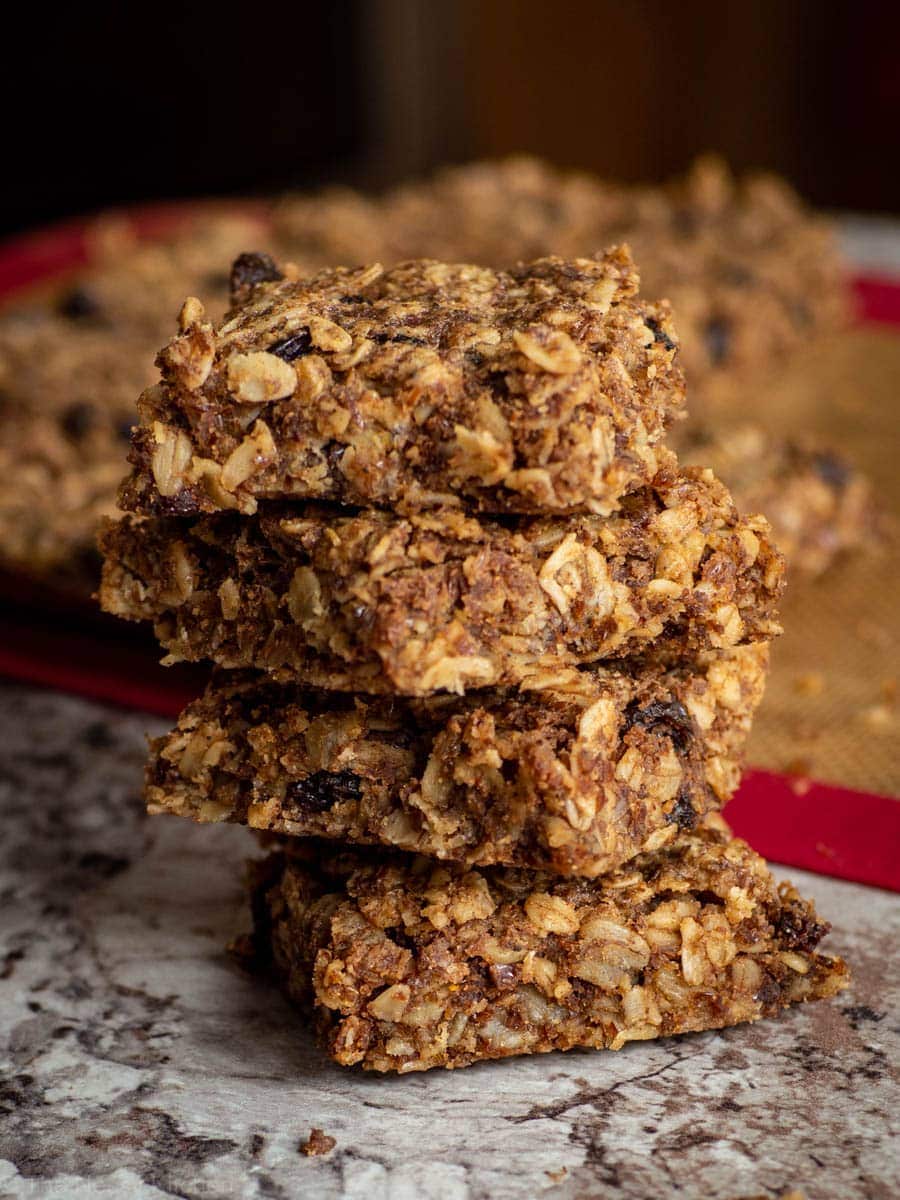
(486, 657)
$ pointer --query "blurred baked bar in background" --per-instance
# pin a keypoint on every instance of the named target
(752, 274)
(820, 504)
(72, 363)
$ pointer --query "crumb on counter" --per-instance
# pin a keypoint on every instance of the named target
(318, 1143)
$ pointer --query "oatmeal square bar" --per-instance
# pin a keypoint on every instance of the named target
(545, 387)
(575, 781)
(443, 601)
(406, 964)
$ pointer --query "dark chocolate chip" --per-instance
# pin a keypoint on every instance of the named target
(659, 334)
(123, 430)
(683, 814)
(78, 420)
(832, 470)
(717, 336)
(667, 717)
(247, 271)
(320, 791)
(78, 304)
(292, 347)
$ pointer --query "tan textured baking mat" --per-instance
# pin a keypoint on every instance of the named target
(832, 710)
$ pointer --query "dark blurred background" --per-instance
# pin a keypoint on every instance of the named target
(108, 104)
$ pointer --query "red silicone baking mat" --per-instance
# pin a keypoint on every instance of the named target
(788, 814)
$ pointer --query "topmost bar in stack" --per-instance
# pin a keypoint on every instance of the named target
(545, 388)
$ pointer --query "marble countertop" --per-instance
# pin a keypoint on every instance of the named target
(138, 1061)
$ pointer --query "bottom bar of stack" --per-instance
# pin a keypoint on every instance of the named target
(408, 964)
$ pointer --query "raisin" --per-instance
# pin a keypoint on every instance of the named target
(682, 813)
(78, 420)
(247, 271)
(498, 383)
(832, 470)
(319, 791)
(292, 347)
(659, 334)
(736, 274)
(684, 222)
(797, 929)
(667, 717)
(717, 336)
(79, 304)
(801, 314)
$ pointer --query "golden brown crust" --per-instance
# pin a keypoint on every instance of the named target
(575, 782)
(409, 965)
(440, 601)
(543, 388)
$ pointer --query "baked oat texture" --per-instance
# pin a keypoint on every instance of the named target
(407, 964)
(575, 782)
(441, 601)
(547, 387)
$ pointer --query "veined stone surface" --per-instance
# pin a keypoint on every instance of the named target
(139, 1061)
